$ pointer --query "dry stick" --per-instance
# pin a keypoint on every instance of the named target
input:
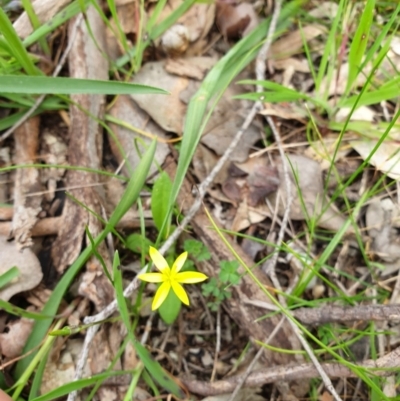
(217, 344)
(382, 367)
(254, 361)
(40, 99)
(336, 313)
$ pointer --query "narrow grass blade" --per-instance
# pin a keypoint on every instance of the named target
(130, 196)
(30, 11)
(9, 275)
(77, 385)
(159, 203)
(41, 85)
(14, 310)
(15, 45)
(359, 43)
(64, 15)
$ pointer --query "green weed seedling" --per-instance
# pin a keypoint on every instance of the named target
(218, 288)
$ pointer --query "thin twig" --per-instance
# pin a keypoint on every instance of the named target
(382, 367)
(40, 99)
(217, 344)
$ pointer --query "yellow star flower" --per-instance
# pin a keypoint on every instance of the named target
(170, 278)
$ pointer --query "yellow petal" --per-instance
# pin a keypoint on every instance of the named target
(179, 262)
(161, 295)
(180, 292)
(158, 259)
(151, 277)
(190, 277)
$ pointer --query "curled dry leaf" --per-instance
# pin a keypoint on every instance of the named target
(235, 20)
(30, 272)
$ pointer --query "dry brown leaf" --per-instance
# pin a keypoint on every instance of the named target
(191, 28)
(60, 371)
(127, 14)
(383, 221)
(246, 216)
(293, 42)
(310, 185)
(167, 111)
(287, 111)
(126, 110)
(235, 20)
(325, 9)
(30, 272)
(204, 161)
(13, 341)
(386, 158)
(193, 67)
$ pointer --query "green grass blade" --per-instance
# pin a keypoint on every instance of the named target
(56, 85)
(130, 196)
(15, 45)
(64, 15)
(77, 385)
(15, 310)
(329, 53)
(30, 11)
(9, 275)
(159, 203)
(359, 43)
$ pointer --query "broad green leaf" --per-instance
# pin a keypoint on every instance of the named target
(138, 243)
(42, 85)
(160, 203)
(170, 308)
